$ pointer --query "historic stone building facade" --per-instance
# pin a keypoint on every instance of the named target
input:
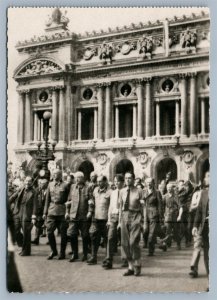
(133, 98)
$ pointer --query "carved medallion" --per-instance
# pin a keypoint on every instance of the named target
(102, 159)
(143, 159)
(188, 157)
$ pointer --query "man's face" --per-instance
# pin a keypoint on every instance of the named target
(169, 188)
(79, 179)
(149, 183)
(57, 175)
(137, 181)
(28, 182)
(44, 183)
(180, 185)
(129, 181)
(93, 178)
(101, 183)
(118, 184)
(206, 179)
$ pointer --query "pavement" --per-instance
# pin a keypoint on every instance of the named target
(164, 272)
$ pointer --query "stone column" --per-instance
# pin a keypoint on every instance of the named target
(148, 109)
(62, 116)
(117, 122)
(193, 106)
(134, 121)
(140, 110)
(157, 118)
(203, 117)
(35, 126)
(79, 125)
(20, 125)
(108, 111)
(95, 123)
(184, 121)
(100, 113)
(54, 129)
(177, 118)
(39, 129)
(28, 114)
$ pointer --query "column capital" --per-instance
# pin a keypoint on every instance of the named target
(57, 88)
(23, 92)
(103, 84)
(148, 80)
(192, 74)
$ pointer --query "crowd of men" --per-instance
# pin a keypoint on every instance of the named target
(121, 213)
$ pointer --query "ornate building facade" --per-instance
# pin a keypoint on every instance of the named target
(133, 98)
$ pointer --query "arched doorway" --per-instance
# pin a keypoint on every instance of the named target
(204, 168)
(86, 167)
(123, 166)
(163, 167)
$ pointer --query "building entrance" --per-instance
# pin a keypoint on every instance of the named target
(123, 166)
(86, 167)
(164, 166)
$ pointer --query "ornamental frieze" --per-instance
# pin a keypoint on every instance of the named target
(145, 46)
(38, 67)
(188, 39)
(106, 52)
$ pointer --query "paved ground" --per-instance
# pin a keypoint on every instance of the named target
(166, 271)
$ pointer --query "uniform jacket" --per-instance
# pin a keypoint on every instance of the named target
(202, 213)
(153, 204)
(56, 196)
(73, 199)
(101, 200)
(30, 206)
(41, 197)
(170, 207)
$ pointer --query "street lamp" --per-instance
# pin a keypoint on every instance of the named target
(46, 154)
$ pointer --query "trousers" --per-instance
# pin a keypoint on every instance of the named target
(23, 238)
(98, 230)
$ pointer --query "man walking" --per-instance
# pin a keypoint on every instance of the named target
(24, 215)
(54, 213)
(41, 196)
(77, 213)
(130, 220)
(113, 218)
(153, 215)
(99, 211)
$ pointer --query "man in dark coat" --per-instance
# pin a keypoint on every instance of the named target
(201, 221)
(24, 214)
(54, 213)
(41, 196)
(77, 211)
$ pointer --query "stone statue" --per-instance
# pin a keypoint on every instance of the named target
(106, 52)
(145, 46)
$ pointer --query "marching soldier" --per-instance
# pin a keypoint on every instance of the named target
(54, 213)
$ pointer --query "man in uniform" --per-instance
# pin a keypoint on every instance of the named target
(201, 221)
(99, 211)
(153, 215)
(170, 218)
(130, 221)
(54, 213)
(77, 213)
(113, 218)
(24, 214)
(41, 196)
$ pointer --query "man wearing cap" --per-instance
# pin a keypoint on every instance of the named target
(54, 213)
(77, 213)
(130, 221)
(24, 214)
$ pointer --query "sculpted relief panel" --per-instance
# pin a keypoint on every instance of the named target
(38, 67)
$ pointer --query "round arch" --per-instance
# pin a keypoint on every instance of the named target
(161, 165)
(114, 162)
(86, 167)
(202, 165)
(42, 57)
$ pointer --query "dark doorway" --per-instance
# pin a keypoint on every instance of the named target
(167, 118)
(164, 166)
(86, 167)
(125, 165)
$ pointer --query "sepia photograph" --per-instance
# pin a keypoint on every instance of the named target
(108, 122)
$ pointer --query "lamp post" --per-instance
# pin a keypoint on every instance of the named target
(46, 154)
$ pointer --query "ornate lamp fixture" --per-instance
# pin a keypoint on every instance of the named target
(46, 154)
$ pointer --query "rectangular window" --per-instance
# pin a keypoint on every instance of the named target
(87, 124)
(167, 118)
(125, 121)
